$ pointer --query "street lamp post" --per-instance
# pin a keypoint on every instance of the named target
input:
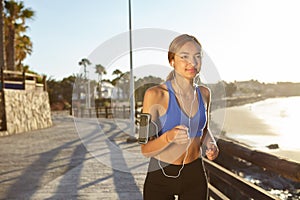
(132, 98)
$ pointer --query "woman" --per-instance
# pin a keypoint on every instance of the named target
(179, 109)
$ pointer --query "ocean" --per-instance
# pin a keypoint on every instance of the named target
(279, 116)
(282, 115)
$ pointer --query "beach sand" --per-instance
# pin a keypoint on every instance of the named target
(240, 120)
(241, 124)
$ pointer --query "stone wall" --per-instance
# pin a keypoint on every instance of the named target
(26, 110)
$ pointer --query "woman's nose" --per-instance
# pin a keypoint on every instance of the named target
(193, 61)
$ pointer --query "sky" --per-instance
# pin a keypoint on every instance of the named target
(244, 39)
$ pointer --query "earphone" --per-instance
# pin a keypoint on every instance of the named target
(172, 63)
(189, 126)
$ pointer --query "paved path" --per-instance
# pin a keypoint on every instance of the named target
(81, 159)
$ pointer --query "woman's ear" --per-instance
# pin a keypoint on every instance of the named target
(172, 63)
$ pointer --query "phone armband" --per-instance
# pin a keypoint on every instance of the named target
(144, 128)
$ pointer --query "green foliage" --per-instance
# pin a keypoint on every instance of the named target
(61, 91)
(39, 79)
(17, 44)
(100, 69)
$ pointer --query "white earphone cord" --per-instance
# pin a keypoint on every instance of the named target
(189, 117)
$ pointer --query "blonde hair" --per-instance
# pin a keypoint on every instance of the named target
(175, 45)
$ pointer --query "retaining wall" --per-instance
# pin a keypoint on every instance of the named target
(26, 110)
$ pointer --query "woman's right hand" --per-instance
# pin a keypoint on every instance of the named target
(178, 135)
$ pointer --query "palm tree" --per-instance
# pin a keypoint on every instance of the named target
(23, 48)
(15, 16)
(119, 74)
(2, 61)
(100, 70)
(77, 86)
(84, 62)
(126, 84)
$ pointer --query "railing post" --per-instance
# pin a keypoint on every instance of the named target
(2, 79)
(97, 110)
(24, 79)
(124, 111)
(115, 111)
(82, 112)
(44, 83)
(90, 112)
(233, 185)
(106, 112)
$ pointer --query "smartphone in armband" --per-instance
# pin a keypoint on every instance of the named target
(145, 120)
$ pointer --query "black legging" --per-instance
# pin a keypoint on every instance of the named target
(190, 185)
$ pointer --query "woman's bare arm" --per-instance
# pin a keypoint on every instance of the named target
(154, 100)
(208, 139)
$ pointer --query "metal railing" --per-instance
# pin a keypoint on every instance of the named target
(232, 186)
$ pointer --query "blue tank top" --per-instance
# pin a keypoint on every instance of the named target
(175, 116)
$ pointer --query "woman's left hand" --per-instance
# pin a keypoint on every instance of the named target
(212, 151)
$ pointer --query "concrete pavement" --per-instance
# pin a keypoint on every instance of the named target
(81, 159)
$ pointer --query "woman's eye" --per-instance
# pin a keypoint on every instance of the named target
(198, 56)
(184, 57)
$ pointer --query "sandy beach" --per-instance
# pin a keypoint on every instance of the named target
(240, 120)
(240, 123)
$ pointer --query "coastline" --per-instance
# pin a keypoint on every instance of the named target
(241, 124)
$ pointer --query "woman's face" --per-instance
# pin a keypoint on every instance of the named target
(187, 60)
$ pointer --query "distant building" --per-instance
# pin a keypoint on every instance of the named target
(109, 91)
(251, 87)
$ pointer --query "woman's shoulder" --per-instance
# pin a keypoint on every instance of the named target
(154, 98)
(157, 91)
(205, 91)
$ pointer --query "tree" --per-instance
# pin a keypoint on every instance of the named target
(118, 73)
(142, 84)
(53, 90)
(2, 61)
(78, 87)
(116, 80)
(15, 17)
(67, 88)
(23, 48)
(84, 62)
(124, 84)
(100, 70)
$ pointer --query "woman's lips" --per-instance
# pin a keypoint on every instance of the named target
(193, 70)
